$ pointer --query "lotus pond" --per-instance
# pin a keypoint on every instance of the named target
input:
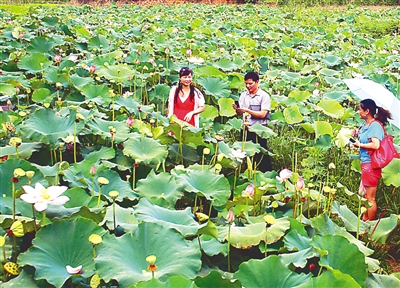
(100, 189)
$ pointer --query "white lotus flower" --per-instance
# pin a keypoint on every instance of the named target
(196, 60)
(41, 197)
(238, 154)
(72, 270)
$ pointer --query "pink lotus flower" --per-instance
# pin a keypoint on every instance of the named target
(129, 122)
(231, 217)
(300, 184)
(188, 52)
(72, 270)
(92, 69)
(41, 197)
(249, 191)
(57, 58)
(93, 170)
(284, 175)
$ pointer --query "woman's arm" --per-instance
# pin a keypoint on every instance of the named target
(374, 144)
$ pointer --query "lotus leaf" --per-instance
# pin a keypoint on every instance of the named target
(225, 107)
(34, 63)
(262, 131)
(215, 87)
(102, 127)
(145, 150)
(98, 94)
(391, 173)
(213, 187)
(37, 129)
(299, 259)
(124, 218)
(384, 227)
(268, 272)
(180, 220)
(119, 73)
(171, 282)
(215, 279)
(299, 95)
(322, 128)
(331, 108)
(124, 258)
(331, 277)
(7, 89)
(41, 45)
(42, 95)
(210, 112)
(25, 150)
(342, 256)
(55, 247)
(378, 280)
(161, 189)
(292, 115)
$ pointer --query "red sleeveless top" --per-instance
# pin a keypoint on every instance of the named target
(182, 108)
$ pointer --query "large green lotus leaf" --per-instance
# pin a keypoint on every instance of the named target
(210, 112)
(215, 87)
(37, 127)
(115, 183)
(331, 108)
(262, 131)
(290, 76)
(56, 76)
(36, 62)
(226, 65)
(180, 220)
(333, 81)
(100, 127)
(322, 128)
(216, 279)
(248, 42)
(124, 258)
(332, 60)
(243, 237)
(295, 241)
(212, 246)
(100, 94)
(171, 282)
(7, 89)
(119, 73)
(329, 72)
(161, 91)
(128, 103)
(250, 148)
(350, 220)
(299, 259)
(41, 44)
(80, 82)
(187, 134)
(42, 95)
(391, 173)
(212, 186)
(331, 278)
(62, 243)
(385, 227)
(225, 107)
(145, 150)
(336, 95)
(342, 255)
(99, 42)
(268, 272)
(299, 95)
(378, 280)
(307, 69)
(125, 218)
(209, 71)
(324, 225)
(292, 115)
(25, 279)
(100, 60)
(160, 186)
(25, 150)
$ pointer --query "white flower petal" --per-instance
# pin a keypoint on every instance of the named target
(72, 270)
(55, 191)
(59, 200)
(29, 190)
(39, 187)
(40, 206)
(28, 198)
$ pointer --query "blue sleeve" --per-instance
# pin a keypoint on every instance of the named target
(375, 131)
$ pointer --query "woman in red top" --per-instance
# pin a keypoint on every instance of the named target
(185, 101)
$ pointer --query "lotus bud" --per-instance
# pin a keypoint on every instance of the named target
(231, 217)
(331, 166)
(93, 170)
(129, 122)
(300, 184)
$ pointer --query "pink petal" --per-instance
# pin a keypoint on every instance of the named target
(40, 206)
(59, 200)
(72, 270)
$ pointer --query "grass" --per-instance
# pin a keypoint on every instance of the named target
(23, 8)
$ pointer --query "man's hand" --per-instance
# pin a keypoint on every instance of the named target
(239, 111)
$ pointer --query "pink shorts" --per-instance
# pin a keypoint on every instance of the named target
(369, 176)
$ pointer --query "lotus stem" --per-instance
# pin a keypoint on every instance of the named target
(92, 186)
(16, 151)
(266, 244)
(202, 162)
(34, 217)
(44, 218)
(112, 109)
(319, 198)
(98, 197)
(180, 145)
(133, 177)
(195, 204)
(209, 212)
(229, 247)
(114, 215)
(94, 252)
(359, 216)
(308, 203)
(14, 201)
(75, 142)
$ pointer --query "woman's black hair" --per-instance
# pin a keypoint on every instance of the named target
(379, 113)
(184, 72)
